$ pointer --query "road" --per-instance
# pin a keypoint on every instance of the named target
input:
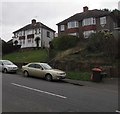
(28, 94)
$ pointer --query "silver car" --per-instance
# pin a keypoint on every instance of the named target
(43, 70)
(7, 66)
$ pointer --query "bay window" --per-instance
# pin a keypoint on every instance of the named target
(89, 21)
(73, 24)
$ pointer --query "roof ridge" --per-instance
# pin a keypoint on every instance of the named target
(31, 26)
(80, 16)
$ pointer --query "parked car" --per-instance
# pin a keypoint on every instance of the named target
(7, 66)
(43, 70)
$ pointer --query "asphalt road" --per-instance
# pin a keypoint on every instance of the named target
(28, 94)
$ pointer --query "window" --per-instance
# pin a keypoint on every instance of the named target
(74, 34)
(23, 41)
(39, 30)
(20, 42)
(103, 20)
(87, 33)
(48, 34)
(62, 27)
(35, 31)
(38, 66)
(31, 65)
(29, 40)
(89, 21)
(16, 34)
(32, 40)
(72, 24)
(20, 33)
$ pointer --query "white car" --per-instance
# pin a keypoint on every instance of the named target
(7, 66)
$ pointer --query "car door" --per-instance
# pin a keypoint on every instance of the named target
(39, 72)
(31, 69)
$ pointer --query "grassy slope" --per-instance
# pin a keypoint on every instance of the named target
(28, 56)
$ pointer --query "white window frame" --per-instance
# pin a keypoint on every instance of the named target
(29, 40)
(103, 20)
(72, 24)
(20, 42)
(23, 42)
(89, 21)
(62, 27)
(87, 33)
(73, 34)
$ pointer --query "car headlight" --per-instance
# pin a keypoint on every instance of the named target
(61, 73)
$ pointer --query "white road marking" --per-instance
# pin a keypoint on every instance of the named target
(37, 90)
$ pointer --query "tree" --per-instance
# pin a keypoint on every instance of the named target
(115, 14)
(103, 42)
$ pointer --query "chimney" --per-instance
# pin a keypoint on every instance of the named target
(33, 21)
(85, 9)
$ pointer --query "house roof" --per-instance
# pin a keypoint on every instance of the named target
(34, 26)
(80, 16)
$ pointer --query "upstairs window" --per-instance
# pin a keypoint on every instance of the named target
(73, 24)
(103, 20)
(89, 21)
(62, 27)
(48, 34)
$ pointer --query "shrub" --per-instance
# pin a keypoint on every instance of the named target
(65, 42)
(103, 42)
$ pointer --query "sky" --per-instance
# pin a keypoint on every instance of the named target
(15, 14)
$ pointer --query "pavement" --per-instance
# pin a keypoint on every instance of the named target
(106, 83)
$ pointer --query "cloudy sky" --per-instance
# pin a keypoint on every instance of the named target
(15, 14)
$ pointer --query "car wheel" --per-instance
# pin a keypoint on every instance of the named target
(5, 70)
(48, 77)
(26, 74)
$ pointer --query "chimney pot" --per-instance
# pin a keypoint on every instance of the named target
(33, 21)
(85, 9)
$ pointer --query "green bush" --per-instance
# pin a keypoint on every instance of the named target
(96, 41)
(103, 42)
(65, 42)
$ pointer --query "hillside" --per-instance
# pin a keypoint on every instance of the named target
(28, 56)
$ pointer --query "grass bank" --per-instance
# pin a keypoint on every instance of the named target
(77, 75)
(40, 55)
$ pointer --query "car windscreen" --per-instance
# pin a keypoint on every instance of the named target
(7, 63)
(46, 66)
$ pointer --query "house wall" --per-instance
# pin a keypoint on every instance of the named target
(109, 25)
(97, 27)
(45, 39)
(27, 42)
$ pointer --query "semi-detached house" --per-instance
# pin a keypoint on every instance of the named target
(27, 35)
(87, 22)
